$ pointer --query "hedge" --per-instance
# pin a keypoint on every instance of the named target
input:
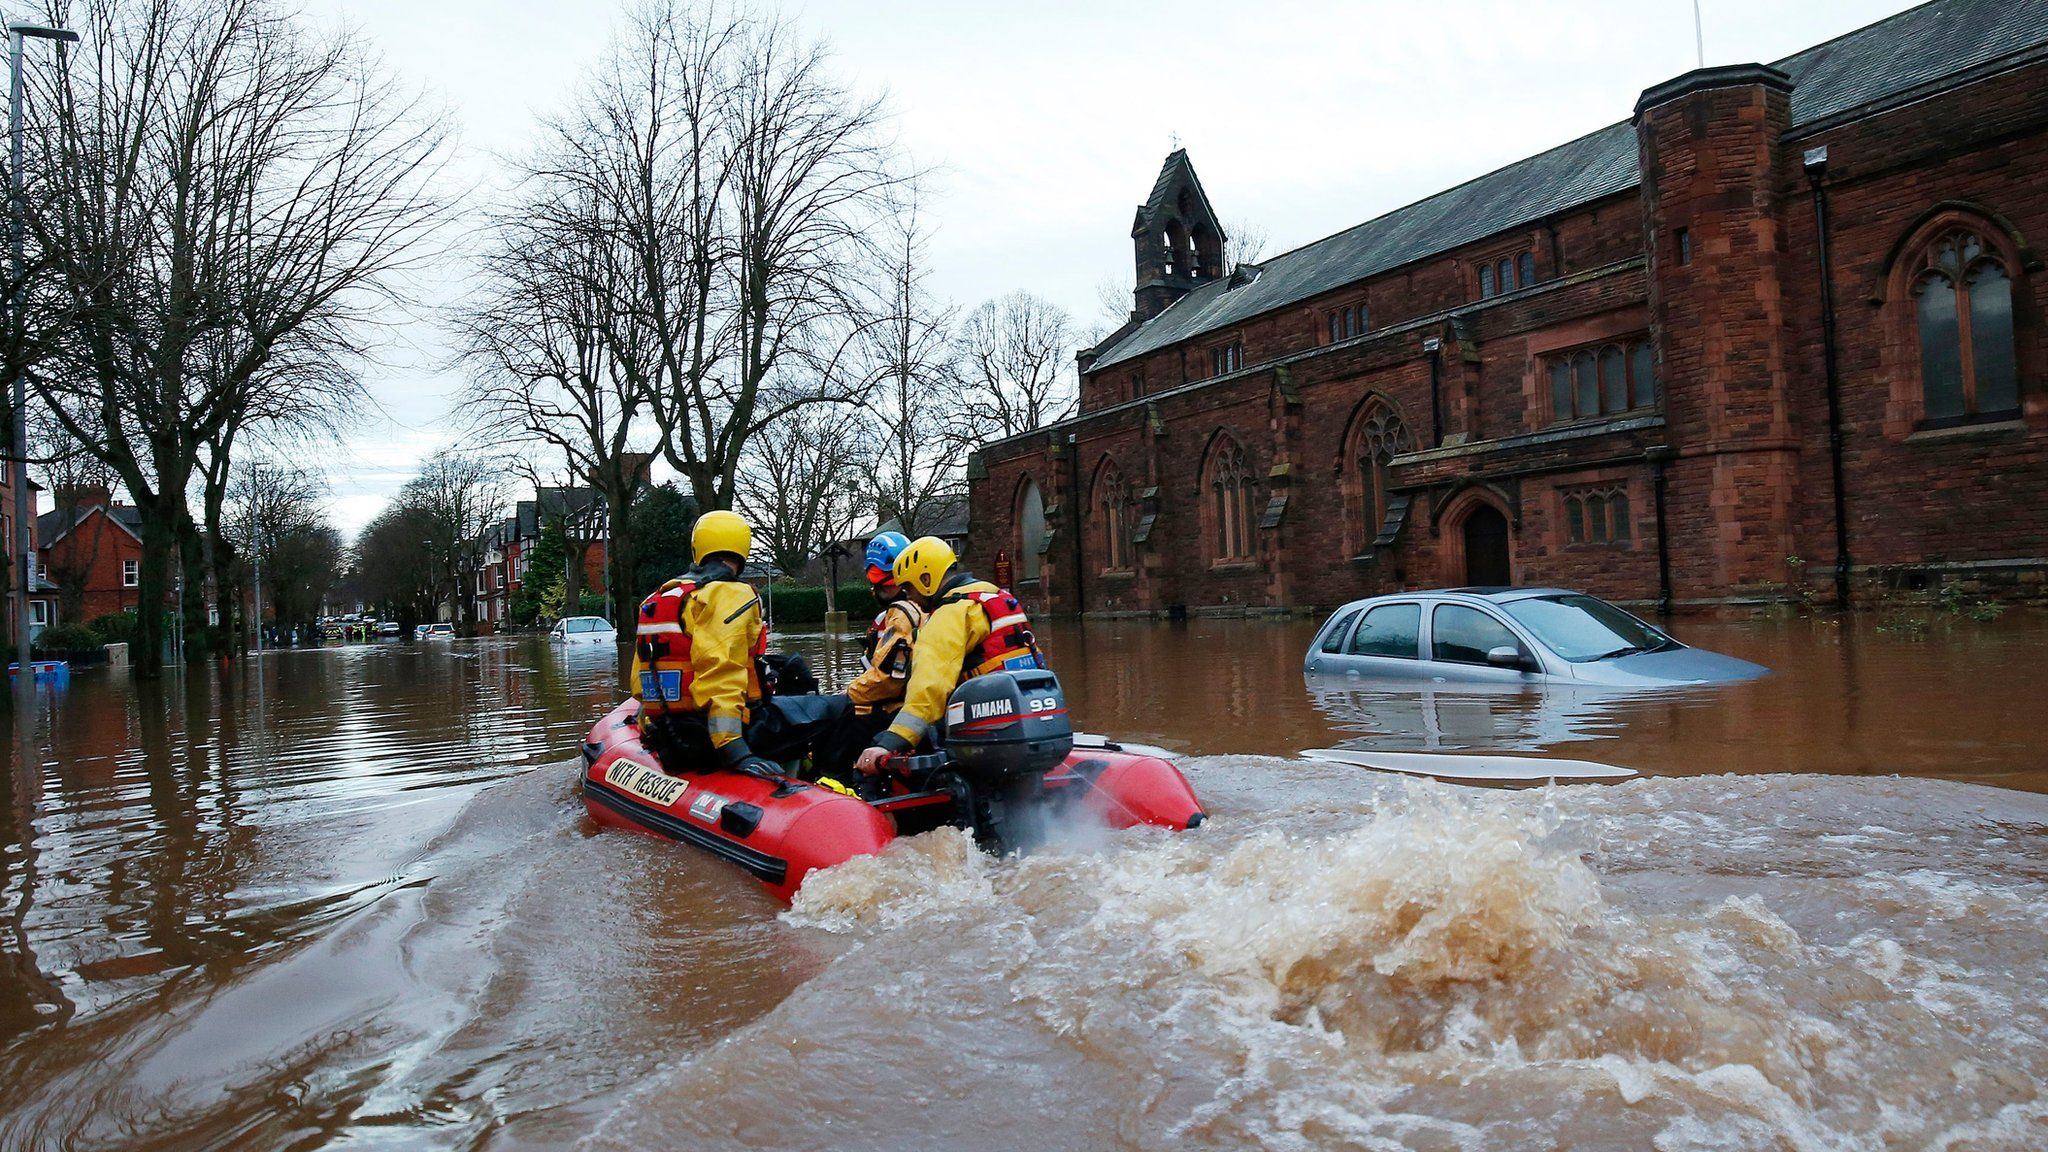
(114, 628)
(797, 604)
(67, 638)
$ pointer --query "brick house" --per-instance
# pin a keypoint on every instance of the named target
(508, 547)
(1785, 318)
(42, 604)
(91, 550)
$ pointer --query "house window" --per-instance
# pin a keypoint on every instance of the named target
(1506, 275)
(1485, 281)
(1963, 302)
(38, 613)
(1231, 498)
(131, 573)
(1598, 517)
(1682, 238)
(1527, 264)
(1226, 358)
(1602, 380)
(1347, 322)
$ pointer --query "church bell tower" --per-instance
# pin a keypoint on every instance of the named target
(1176, 238)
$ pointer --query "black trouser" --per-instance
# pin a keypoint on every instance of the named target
(841, 744)
(780, 728)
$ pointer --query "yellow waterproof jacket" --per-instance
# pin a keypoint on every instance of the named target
(953, 629)
(889, 663)
(722, 619)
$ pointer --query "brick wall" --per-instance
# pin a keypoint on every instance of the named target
(1739, 441)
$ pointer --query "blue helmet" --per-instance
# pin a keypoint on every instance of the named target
(881, 556)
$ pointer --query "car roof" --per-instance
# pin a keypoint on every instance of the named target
(1496, 594)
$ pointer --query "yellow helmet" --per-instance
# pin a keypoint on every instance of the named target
(720, 531)
(922, 567)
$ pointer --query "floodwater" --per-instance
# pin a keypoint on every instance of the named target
(348, 898)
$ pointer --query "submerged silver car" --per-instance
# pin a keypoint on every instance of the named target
(1510, 634)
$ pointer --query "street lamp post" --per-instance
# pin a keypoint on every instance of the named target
(25, 554)
(256, 472)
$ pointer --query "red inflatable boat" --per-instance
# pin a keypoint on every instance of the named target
(781, 830)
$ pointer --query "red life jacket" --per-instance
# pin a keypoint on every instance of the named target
(661, 650)
(1010, 645)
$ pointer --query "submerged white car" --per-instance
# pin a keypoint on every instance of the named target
(583, 630)
(1510, 635)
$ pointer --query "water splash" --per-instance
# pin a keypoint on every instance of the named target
(913, 878)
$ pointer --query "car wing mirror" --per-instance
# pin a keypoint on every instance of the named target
(1508, 656)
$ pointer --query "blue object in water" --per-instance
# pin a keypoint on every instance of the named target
(56, 672)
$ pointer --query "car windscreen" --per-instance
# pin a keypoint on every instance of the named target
(1581, 628)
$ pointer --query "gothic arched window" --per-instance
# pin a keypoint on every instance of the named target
(1117, 517)
(1963, 307)
(1030, 531)
(1377, 436)
(1228, 484)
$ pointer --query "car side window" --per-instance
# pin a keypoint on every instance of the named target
(1464, 635)
(1333, 639)
(1389, 630)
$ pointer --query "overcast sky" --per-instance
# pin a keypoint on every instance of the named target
(1046, 123)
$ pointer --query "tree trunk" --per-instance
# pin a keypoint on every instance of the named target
(621, 558)
(153, 587)
(197, 632)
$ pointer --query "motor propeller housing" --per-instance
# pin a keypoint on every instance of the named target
(1006, 725)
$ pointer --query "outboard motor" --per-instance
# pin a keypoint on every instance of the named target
(1004, 731)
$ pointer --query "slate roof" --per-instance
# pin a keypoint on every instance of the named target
(1888, 59)
(1178, 169)
(51, 526)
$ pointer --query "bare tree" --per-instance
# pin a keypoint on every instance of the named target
(1245, 242)
(737, 177)
(459, 497)
(1016, 356)
(274, 520)
(557, 355)
(916, 399)
(800, 482)
(220, 190)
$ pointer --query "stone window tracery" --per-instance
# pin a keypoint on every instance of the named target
(1598, 516)
(1118, 518)
(1963, 309)
(1377, 436)
(1232, 495)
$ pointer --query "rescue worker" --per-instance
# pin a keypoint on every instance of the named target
(971, 628)
(697, 667)
(885, 660)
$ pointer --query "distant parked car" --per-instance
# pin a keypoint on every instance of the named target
(440, 632)
(1511, 634)
(583, 630)
(389, 628)
(419, 631)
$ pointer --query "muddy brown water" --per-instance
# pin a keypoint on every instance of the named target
(347, 898)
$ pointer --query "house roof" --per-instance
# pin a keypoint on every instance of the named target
(946, 519)
(54, 526)
(1889, 59)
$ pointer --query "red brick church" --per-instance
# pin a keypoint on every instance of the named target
(1783, 327)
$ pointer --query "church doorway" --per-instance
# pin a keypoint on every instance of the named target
(1486, 548)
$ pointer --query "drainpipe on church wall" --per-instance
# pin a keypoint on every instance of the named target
(1658, 457)
(1435, 348)
(1074, 496)
(1816, 160)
